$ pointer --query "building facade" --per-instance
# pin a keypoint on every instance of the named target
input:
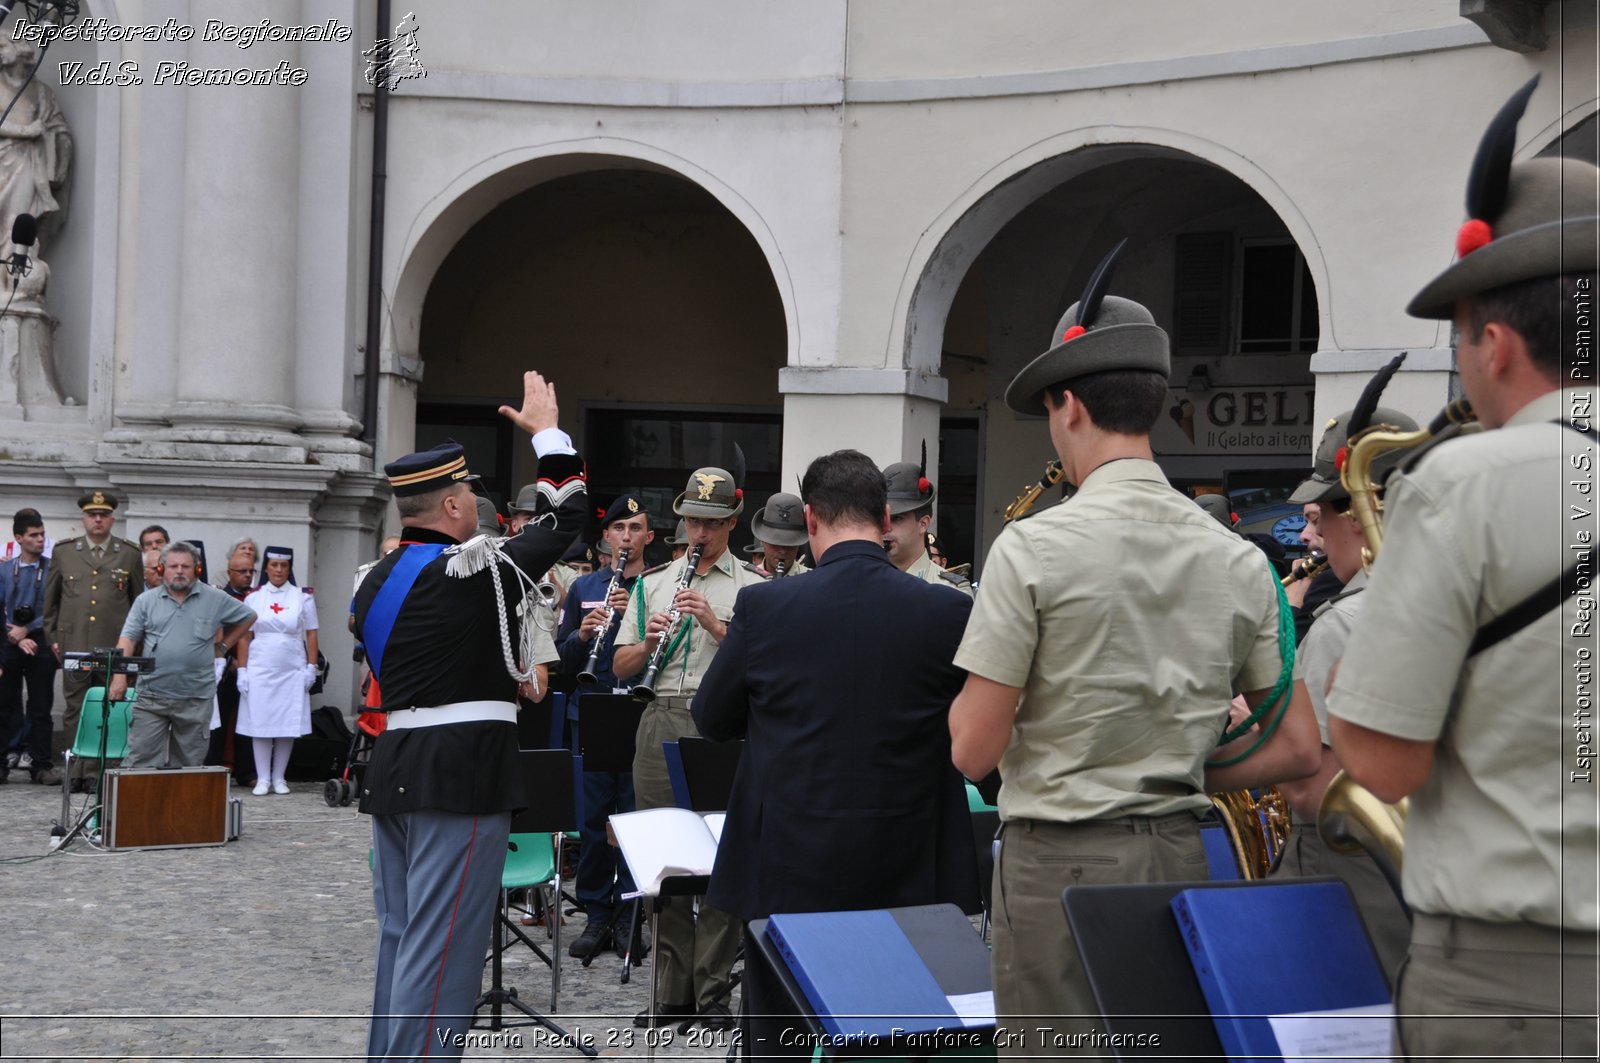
(795, 226)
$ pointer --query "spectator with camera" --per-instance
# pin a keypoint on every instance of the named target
(25, 658)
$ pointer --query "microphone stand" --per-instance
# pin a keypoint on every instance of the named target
(113, 663)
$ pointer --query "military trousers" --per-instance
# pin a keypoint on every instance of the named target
(1039, 981)
(1496, 991)
(693, 953)
(1306, 855)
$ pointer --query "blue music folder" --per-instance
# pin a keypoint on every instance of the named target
(1276, 949)
(895, 973)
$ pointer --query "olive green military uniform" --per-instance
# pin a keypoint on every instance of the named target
(86, 599)
(1502, 839)
(1501, 844)
(694, 958)
(928, 572)
(1128, 619)
(1306, 854)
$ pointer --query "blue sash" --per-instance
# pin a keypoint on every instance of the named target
(390, 597)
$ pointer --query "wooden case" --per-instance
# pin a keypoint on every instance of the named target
(166, 808)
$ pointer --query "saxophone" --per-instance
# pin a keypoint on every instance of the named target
(645, 691)
(1350, 817)
(1053, 474)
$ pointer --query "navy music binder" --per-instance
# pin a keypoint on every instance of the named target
(887, 973)
(1276, 949)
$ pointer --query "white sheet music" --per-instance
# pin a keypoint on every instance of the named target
(662, 843)
(1344, 1033)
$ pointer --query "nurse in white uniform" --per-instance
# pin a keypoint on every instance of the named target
(277, 669)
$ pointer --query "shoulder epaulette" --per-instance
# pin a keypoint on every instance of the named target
(763, 573)
(658, 568)
(69, 542)
(954, 577)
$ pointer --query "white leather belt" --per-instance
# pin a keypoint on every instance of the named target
(455, 712)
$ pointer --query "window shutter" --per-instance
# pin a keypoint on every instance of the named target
(1204, 273)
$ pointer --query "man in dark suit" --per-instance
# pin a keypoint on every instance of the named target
(845, 798)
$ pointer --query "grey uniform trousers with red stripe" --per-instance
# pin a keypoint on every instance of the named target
(436, 886)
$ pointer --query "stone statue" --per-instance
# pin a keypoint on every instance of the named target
(35, 159)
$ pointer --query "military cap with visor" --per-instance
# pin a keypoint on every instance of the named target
(97, 502)
(1536, 218)
(710, 494)
(781, 522)
(624, 507)
(1099, 333)
(429, 470)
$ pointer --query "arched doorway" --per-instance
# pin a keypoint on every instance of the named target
(648, 304)
(1216, 265)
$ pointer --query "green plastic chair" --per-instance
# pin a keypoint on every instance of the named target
(976, 803)
(86, 743)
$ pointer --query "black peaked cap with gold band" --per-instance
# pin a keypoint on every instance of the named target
(1099, 333)
(781, 522)
(428, 470)
(1538, 218)
(710, 493)
(98, 502)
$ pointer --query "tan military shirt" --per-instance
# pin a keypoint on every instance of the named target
(1129, 618)
(1504, 829)
(86, 598)
(653, 593)
(928, 572)
(1324, 645)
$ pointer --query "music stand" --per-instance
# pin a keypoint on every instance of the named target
(608, 725)
(548, 777)
(101, 663)
(708, 771)
(1139, 969)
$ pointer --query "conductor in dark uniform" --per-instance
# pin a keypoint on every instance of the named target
(845, 797)
(444, 777)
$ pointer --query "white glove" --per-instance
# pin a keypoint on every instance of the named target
(242, 680)
(217, 666)
(311, 676)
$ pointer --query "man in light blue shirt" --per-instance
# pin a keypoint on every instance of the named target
(177, 623)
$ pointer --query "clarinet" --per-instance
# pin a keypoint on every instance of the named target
(588, 674)
(646, 690)
(778, 570)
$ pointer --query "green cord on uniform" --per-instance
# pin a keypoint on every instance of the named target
(1277, 701)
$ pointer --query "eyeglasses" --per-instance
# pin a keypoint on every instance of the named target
(240, 571)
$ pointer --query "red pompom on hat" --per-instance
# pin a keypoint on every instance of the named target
(1473, 234)
(738, 492)
(1340, 458)
(923, 486)
(1073, 333)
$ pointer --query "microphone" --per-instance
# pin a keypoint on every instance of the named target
(23, 233)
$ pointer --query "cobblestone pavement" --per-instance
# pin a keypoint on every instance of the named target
(260, 949)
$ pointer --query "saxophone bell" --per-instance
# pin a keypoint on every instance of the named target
(1053, 474)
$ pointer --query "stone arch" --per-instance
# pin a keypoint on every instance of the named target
(952, 241)
(460, 204)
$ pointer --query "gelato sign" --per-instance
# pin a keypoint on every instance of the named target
(1237, 420)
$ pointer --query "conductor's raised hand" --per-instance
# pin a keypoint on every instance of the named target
(539, 410)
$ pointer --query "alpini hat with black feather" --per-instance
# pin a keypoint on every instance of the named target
(1098, 333)
(1538, 218)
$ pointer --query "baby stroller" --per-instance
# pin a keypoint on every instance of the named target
(342, 790)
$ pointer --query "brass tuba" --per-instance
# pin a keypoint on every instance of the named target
(1351, 819)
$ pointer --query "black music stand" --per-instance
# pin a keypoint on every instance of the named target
(552, 809)
(608, 725)
(708, 771)
(1139, 969)
(101, 663)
